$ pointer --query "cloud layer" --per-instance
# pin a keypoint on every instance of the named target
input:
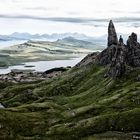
(85, 16)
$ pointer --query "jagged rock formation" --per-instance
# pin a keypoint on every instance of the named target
(133, 51)
(117, 55)
(106, 56)
(112, 36)
(117, 66)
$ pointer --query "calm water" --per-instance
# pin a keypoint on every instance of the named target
(42, 65)
(38, 66)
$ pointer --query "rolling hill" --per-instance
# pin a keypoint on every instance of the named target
(44, 50)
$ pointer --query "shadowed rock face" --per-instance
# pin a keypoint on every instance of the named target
(117, 66)
(133, 51)
(112, 36)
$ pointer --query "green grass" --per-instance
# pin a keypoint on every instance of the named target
(76, 105)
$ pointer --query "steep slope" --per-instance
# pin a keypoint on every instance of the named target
(78, 104)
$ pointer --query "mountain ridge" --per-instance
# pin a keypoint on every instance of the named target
(54, 36)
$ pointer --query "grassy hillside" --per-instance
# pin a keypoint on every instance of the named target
(76, 105)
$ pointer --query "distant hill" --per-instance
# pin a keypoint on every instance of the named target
(80, 43)
(45, 50)
(67, 37)
(76, 42)
(53, 37)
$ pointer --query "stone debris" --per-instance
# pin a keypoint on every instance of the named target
(17, 76)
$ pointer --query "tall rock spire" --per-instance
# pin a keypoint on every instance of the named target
(112, 36)
(133, 53)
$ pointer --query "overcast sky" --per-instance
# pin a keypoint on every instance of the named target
(57, 16)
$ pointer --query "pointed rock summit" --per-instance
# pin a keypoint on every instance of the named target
(133, 51)
(107, 55)
(114, 55)
(112, 36)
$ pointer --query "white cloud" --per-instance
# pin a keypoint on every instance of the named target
(63, 8)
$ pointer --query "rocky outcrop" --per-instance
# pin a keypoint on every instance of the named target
(117, 54)
(116, 59)
(117, 66)
(133, 51)
(22, 76)
(106, 56)
(112, 36)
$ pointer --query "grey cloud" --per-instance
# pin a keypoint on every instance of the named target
(72, 20)
(57, 19)
(127, 19)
